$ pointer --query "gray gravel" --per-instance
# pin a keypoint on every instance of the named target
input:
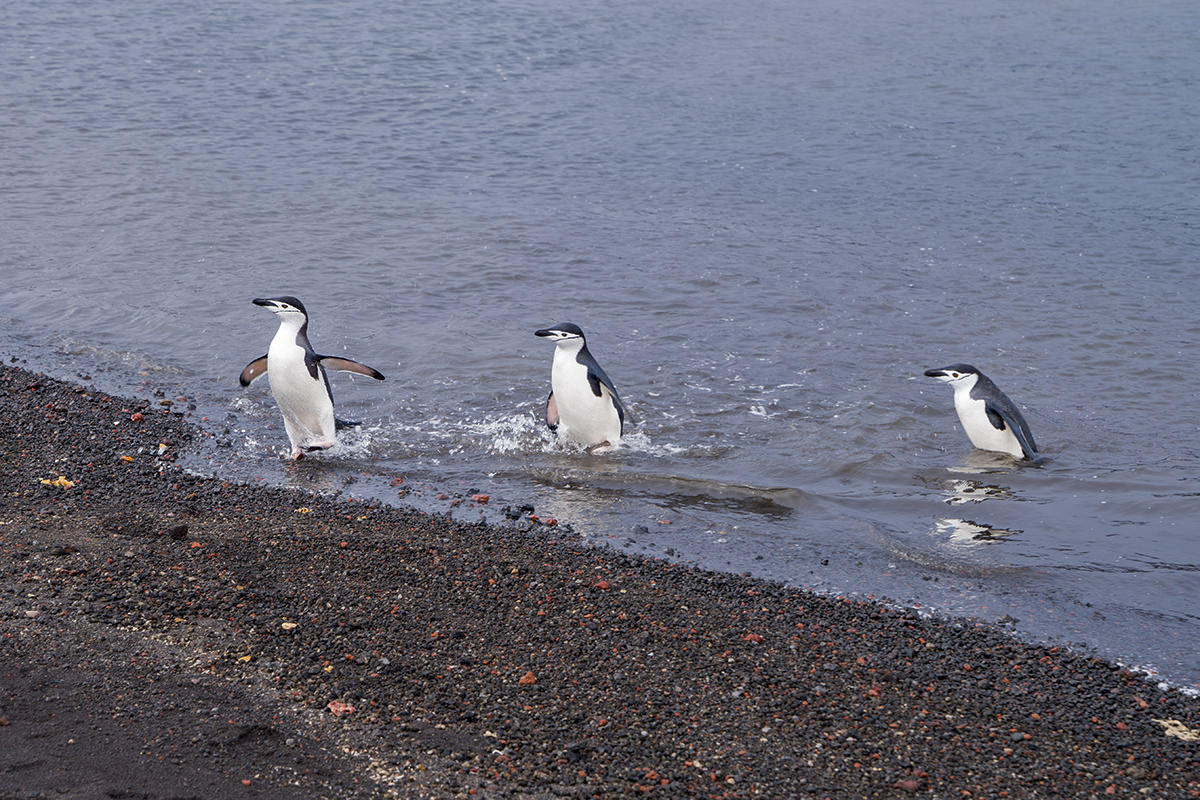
(169, 636)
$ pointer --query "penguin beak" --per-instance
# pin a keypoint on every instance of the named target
(935, 373)
(261, 301)
(544, 332)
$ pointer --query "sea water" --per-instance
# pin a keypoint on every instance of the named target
(769, 218)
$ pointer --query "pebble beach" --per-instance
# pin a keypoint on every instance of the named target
(171, 635)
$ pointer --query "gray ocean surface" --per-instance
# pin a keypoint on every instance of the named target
(770, 218)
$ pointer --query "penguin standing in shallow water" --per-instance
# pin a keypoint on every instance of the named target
(297, 377)
(583, 406)
(991, 420)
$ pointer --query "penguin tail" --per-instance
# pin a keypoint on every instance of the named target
(343, 424)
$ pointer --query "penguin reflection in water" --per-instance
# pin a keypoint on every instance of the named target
(991, 420)
(298, 380)
(583, 406)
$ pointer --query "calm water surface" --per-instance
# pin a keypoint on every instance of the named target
(769, 220)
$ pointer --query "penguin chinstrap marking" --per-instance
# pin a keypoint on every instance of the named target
(297, 377)
(583, 406)
(991, 420)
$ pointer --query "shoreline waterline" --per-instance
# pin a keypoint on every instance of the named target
(479, 657)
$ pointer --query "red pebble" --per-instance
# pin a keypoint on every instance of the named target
(480, 498)
(339, 708)
(753, 637)
(137, 416)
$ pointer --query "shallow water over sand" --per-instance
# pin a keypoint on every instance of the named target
(768, 227)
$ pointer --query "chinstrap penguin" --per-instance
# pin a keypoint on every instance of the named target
(583, 405)
(991, 420)
(297, 377)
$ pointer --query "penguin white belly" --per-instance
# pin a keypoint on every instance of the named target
(973, 416)
(303, 400)
(582, 417)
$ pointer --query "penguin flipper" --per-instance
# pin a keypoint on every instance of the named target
(1002, 417)
(616, 401)
(255, 369)
(346, 365)
(995, 417)
(595, 381)
(603, 387)
(552, 412)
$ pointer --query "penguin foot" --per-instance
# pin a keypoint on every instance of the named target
(298, 451)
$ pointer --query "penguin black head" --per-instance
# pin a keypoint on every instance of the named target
(562, 332)
(285, 305)
(953, 373)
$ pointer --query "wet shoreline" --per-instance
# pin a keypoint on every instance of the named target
(174, 635)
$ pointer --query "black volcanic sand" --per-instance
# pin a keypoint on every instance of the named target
(164, 635)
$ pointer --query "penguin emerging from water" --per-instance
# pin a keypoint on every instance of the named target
(297, 377)
(583, 406)
(991, 420)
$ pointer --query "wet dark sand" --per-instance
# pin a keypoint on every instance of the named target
(167, 636)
